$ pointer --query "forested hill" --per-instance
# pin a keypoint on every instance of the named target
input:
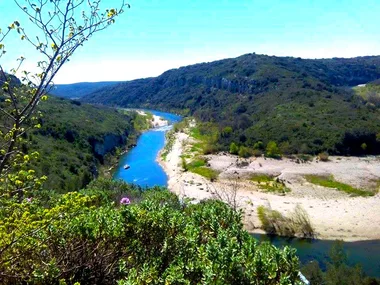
(78, 90)
(75, 140)
(306, 105)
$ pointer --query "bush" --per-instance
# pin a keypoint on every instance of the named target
(226, 132)
(269, 183)
(272, 150)
(258, 145)
(234, 149)
(157, 240)
(297, 224)
(323, 156)
(244, 152)
(257, 153)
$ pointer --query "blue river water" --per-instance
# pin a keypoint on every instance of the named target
(366, 253)
(144, 169)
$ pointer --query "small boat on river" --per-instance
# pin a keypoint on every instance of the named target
(127, 166)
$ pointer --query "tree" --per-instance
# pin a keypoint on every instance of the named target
(234, 149)
(272, 150)
(63, 31)
(244, 152)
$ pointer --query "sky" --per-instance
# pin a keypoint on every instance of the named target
(156, 35)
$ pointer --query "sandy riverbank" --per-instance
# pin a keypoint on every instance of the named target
(334, 214)
(156, 122)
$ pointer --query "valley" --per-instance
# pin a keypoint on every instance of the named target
(194, 142)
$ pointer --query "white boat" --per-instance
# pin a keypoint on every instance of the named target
(127, 166)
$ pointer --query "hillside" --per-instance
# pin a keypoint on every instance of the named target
(302, 104)
(370, 92)
(75, 139)
(78, 90)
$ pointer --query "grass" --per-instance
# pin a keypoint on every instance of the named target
(269, 183)
(206, 136)
(206, 172)
(330, 182)
(296, 224)
(198, 166)
(196, 163)
(261, 178)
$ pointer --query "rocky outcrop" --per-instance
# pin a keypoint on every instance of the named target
(107, 144)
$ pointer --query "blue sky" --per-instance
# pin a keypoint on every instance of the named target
(156, 35)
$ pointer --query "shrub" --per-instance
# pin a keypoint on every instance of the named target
(226, 132)
(272, 150)
(269, 184)
(297, 224)
(257, 152)
(323, 156)
(258, 145)
(244, 152)
(158, 240)
(234, 149)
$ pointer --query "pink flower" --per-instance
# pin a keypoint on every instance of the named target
(125, 201)
(29, 200)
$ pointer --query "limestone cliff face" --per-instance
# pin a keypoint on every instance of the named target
(107, 144)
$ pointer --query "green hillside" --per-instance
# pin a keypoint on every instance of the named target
(78, 90)
(370, 93)
(75, 139)
(304, 105)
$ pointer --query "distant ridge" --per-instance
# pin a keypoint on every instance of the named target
(307, 105)
(78, 90)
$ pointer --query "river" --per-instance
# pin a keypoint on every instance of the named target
(145, 171)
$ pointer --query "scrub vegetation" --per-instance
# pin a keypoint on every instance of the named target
(269, 183)
(296, 224)
(199, 166)
(330, 182)
(112, 232)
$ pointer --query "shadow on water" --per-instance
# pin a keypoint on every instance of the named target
(366, 253)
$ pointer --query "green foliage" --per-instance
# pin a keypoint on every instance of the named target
(169, 142)
(272, 150)
(88, 238)
(141, 122)
(370, 93)
(206, 135)
(198, 166)
(258, 145)
(57, 36)
(265, 98)
(244, 152)
(269, 184)
(78, 90)
(296, 224)
(226, 132)
(74, 140)
(330, 182)
(209, 173)
(234, 149)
